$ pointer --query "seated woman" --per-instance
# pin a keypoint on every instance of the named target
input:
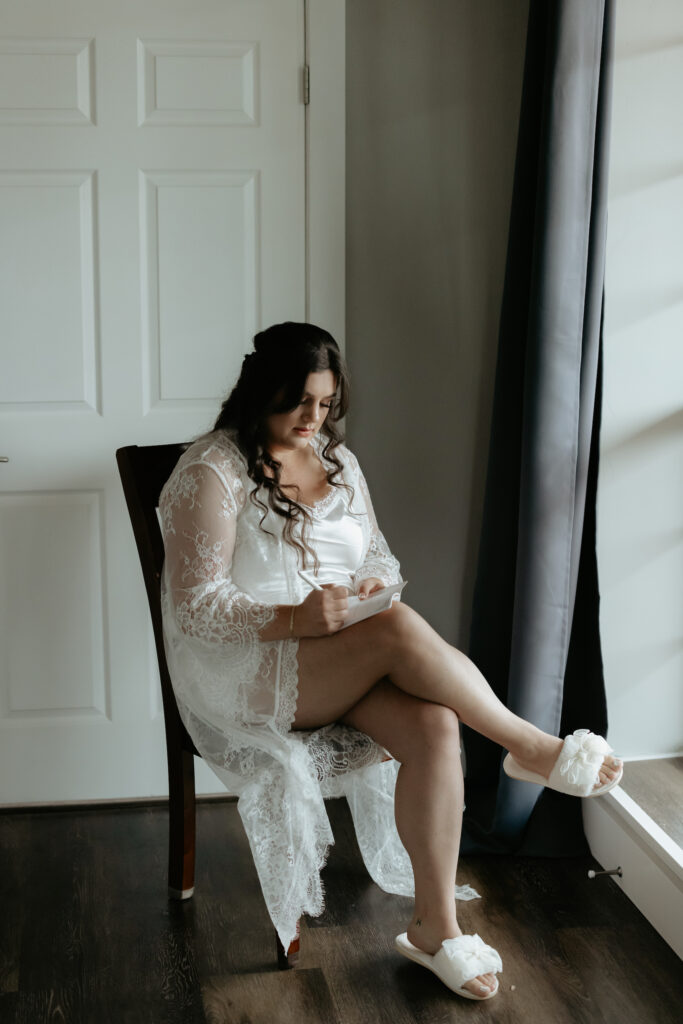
(286, 704)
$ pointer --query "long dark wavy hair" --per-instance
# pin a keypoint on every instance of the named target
(272, 380)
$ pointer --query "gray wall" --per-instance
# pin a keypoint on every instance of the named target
(433, 95)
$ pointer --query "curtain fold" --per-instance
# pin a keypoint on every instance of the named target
(535, 629)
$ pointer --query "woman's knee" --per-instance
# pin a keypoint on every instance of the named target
(435, 729)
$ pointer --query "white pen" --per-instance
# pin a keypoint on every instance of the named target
(309, 579)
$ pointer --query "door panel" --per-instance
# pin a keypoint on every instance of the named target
(152, 210)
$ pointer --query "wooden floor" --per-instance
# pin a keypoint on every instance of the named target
(87, 935)
(656, 785)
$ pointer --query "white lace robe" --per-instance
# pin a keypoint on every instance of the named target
(237, 694)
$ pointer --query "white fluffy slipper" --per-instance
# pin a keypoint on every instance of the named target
(459, 960)
(576, 770)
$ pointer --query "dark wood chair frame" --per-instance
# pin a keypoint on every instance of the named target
(144, 470)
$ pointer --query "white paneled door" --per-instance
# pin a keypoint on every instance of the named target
(152, 217)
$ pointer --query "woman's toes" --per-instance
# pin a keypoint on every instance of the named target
(609, 770)
(477, 986)
(481, 985)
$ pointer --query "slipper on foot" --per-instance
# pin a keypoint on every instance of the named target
(576, 770)
(458, 961)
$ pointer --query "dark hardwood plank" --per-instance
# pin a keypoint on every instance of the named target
(14, 839)
(53, 1006)
(138, 940)
(96, 924)
(66, 1006)
(234, 932)
(287, 997)
(621, 985)
(87, 934)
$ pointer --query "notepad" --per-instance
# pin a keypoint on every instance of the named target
(378, 602)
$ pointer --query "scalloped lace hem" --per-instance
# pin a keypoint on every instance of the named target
(288, 685)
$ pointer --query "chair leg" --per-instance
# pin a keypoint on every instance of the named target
(286, 961)
(181, 822)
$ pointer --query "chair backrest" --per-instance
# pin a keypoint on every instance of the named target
(144, 469)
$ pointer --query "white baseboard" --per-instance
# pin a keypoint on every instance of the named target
(621, 834)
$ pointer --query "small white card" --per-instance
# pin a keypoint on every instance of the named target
(378, 602)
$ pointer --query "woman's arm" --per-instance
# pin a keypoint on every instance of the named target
(199, 520)
(199, 510)
(379, 565)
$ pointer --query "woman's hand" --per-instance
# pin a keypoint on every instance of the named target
(323, 612)
(369, 586)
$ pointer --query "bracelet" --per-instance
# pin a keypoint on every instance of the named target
(291, 621)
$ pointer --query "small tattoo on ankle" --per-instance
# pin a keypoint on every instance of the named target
(418, 923)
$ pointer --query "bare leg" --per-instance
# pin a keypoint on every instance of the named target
(335, 672)
(424, 738)
(350, 676)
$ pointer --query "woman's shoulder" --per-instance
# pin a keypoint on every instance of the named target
(215, 452)
(215, 448)
(341, 452)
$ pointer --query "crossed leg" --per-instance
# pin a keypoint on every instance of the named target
(393, 677)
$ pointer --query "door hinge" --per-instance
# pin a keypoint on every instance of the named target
(307, 84)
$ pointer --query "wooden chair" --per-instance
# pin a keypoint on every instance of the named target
(144, 470)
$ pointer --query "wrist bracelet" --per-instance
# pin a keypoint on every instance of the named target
(291, 621)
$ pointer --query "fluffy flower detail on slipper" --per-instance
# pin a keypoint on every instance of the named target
(582, 755)
(469, 956)
(577, 769)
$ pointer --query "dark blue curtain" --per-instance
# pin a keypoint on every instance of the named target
(535, 629)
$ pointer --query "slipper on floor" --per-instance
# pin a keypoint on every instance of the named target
(459, 960)
(576, 770)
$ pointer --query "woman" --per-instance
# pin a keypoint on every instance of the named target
(286, 704)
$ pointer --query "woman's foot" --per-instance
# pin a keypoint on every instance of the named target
(428, 937)
(542, 753)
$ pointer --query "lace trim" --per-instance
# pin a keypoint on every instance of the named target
(240, 620)
(181, 486)
(229, 466)
(288, 860)
(466, 892)
(198, 507)
(379, 563)
(337, 749)
(320, 509)
(289, 685)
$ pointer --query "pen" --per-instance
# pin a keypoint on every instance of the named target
(309, 579)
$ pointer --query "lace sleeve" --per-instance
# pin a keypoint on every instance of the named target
(198, 509)
(379, 561)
